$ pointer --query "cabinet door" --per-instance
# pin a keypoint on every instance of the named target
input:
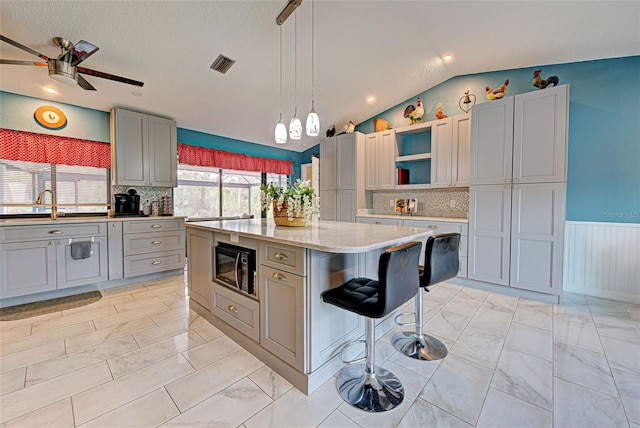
(492, 142)
(283, 315)
(346, 205)
(199, 244)
(328, 205)
(387, 159)
(489, 233)
(460, 150)
(163, 152)
(115, 257)
(540, 136)
(72, 272)
(131, 132)
(346, 161)
(328, 169)
(441, 151)
(537, 234)
(27, 268)
(371, 161)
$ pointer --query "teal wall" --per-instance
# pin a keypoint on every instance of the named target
(603, 180)
(307, 154)
(16, 112)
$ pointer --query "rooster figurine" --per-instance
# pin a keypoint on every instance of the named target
(414, 114)
(540, 83)
(331, 132)
(499, 92)
(349, 127)
(439, 113)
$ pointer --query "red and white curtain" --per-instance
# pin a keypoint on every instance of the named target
(202, 156)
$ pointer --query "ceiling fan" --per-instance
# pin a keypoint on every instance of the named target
(65, 69)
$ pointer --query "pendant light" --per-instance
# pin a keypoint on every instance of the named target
(313, 121)
(295, 126)
(281, 130)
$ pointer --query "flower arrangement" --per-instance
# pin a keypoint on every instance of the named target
(300, 200)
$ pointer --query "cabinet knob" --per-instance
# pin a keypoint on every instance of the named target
(50, 242)
(156, 242)
(279, 277)
(432, 227)
(59, 242)
(515, 180)
(155, 226)
(281, 256)
(156, 262)
(506, 180)
(515, 186)
(232, 309)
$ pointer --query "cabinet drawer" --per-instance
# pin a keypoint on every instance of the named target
(290, 259)
(439, 226)
(153, 262)
(379, 220)
(240, 312)
(141, 243)
(155, 225)
(52, 231)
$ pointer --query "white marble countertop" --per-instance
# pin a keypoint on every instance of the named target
(78, 219)
(329, 236)
(415, 217)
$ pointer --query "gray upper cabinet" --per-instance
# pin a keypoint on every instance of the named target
(143, 149)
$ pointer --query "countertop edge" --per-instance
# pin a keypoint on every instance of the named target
(75, 220)
(415, 217)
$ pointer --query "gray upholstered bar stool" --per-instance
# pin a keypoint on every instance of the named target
(441, 263)
(365, 385)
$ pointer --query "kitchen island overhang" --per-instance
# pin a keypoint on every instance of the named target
(288, 326)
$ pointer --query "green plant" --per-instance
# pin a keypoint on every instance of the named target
(300, 199)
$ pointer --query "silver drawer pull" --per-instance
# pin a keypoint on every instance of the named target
(377, 222)
(156, 262)
(156, 242)
(232, 309)
(56, 232)
(281, 256)
(431, 226)
(279, 277)
(155, 226)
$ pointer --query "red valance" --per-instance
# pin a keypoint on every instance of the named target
(52, 149)
(202, 156)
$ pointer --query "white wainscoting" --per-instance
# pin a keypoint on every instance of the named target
(603, 260)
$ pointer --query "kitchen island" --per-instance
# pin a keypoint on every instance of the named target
(286, 324)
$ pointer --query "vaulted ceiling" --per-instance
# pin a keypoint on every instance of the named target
(390, 50)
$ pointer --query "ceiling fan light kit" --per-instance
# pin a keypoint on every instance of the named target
(64, 69)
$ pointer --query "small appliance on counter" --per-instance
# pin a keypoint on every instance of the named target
(127, 204)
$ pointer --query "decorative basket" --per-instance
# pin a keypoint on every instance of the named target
(281, 217)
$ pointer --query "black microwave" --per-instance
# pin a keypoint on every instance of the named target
(235, 267)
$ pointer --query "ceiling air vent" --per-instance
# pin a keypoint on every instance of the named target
(222, 64)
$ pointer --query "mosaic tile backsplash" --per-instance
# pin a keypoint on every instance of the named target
(431, 202)
(148, 193)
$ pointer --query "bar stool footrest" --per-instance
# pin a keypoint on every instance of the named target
(374, 393)
(424, 347)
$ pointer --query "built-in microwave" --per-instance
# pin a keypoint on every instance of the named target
(235, 267)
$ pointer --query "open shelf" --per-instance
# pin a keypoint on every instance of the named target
(414, 158)
(414, 129)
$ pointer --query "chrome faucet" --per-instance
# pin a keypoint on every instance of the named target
(54, 211)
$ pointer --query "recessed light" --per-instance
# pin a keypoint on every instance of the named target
(136, 94)
(447, 58)
(50, 91)
(371, 99)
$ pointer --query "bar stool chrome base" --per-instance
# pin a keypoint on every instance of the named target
(422, 347)
(372, 392)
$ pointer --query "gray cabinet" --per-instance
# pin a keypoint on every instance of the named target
(143, 149)
(450, 152)
(35, 259)
(199, 251)
(115, 257)
(154, 245)
(380, 155)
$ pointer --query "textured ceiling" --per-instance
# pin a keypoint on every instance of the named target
(389, 49)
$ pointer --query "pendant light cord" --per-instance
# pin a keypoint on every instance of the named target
(295, 64)
(280, 26)
(312, 53)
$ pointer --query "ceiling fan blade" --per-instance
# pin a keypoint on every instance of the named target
(17, 62)
(23, 47)
(109, 76)
(84, 84)
(83, 50)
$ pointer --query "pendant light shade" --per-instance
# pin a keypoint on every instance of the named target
(281, 129)
(295, 127)
(313, 121)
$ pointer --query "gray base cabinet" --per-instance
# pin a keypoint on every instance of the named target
(27, 268)
(200, 254)
(153, 245)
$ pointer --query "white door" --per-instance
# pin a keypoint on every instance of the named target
(328, 164)
(492, 142)
(489, 233)
(441, 153)
(346, 161)
(460, 150)
(346, 205)
(328, 205)
(387, 159)
(537, 233)
(371, 161)
(540, 136)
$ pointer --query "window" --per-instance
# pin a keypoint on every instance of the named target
(79, 189)
(205, 192)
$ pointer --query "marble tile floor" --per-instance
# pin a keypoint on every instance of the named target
(140, 357)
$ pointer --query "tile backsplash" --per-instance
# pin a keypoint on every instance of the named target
(147, 193)
(431, 202)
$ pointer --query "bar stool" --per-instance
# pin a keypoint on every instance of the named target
(365, 385)
(441, 263)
